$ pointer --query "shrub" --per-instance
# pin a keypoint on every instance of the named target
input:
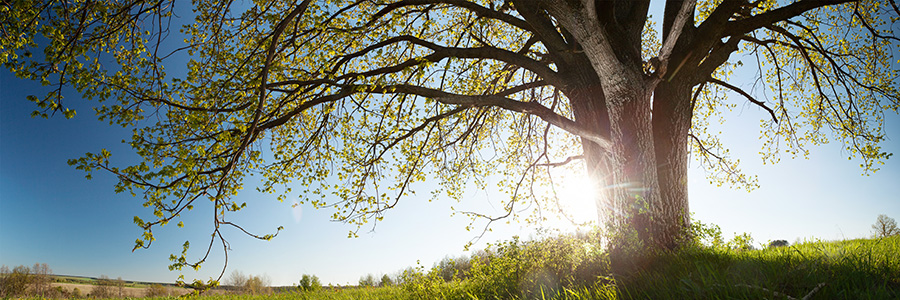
(103, 288)
(15, 283)
(368, 280)
(706, 235)
(60, 292)
(386, 281)
(778, 243)
(236, 280)
(156, 290)
(450, 268)
(309, 283)
(256, 285)
(515, 269)
(741, 242)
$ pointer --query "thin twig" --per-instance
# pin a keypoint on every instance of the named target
(557, 164)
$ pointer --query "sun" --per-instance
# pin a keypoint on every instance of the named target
(574, 202)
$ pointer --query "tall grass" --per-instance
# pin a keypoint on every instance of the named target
(566, 268)
(575, 267)
(854, 269)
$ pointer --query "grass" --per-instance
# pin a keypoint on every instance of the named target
(570, 268)
(853, 269)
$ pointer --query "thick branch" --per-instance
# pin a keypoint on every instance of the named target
(744, 26)
(478, 10)
(440, 52)
(666, 51)
(533, 108)
(542, 26)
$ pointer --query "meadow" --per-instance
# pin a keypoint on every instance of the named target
(576, 267)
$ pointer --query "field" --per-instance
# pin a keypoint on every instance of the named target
(570, 267)
(87, 288)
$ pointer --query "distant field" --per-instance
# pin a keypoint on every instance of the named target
(132, 292)
(93, 281)
(132, 289)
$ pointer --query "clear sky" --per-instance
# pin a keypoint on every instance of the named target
(50, 213)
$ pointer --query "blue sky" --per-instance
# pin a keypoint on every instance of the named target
(50, 213)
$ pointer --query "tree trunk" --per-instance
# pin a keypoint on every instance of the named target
(625, 176)
(629, 198)
(642, 176)
(672, 114)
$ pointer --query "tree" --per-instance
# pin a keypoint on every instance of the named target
(103, 288)
(15, 283)
(309, 283)
(237, 279)
(885, 226)
(386, 281)
(256, 285)
(380, 96)
(120, 287)
(368, 280)
(41, 280)
(778, 243)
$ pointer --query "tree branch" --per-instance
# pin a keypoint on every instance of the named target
(441, 52)
(670, 39)
(745, 94)
(744, 26)
(533, 108)
(561, 163)
(478, 10)
(542, 26)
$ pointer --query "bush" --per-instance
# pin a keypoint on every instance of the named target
(778, 243)
(368, 280)
(454, 268)
(706, 235)
(516, 269)
(309, 283)
(156, 290)
(386, 281)
(741, 242)
(15, 283)
(103, 289)
(60, 292)
(236, 280)
(256, 285)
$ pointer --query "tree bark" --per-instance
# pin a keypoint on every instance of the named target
(627, 170)
(672, 113)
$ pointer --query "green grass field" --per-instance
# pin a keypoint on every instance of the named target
(570, 267)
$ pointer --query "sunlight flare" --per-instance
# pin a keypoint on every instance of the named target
(573, 195)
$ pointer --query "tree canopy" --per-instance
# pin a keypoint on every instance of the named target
(377, 96)
(885, 226)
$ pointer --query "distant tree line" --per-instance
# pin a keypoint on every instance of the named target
(371, 280)
(37, 281)
(23, 281)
